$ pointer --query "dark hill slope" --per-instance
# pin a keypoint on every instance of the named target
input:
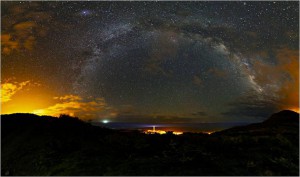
(285, 117)
(42, 145)
(283, 122)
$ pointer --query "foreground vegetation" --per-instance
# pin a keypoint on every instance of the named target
(41, 145)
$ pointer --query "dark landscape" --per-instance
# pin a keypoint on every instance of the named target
(43, 145)
(146, 88)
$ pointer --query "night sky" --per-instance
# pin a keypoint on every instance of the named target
(150, 62)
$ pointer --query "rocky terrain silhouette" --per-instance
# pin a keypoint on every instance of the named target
(44, 145)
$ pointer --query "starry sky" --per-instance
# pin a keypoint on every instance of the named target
(162, 62)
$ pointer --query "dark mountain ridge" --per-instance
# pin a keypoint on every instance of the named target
(283, 117)
(285, 121)
(43, 145)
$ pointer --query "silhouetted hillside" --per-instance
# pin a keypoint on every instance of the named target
(286, 122)
(283, 118)
(44, 145)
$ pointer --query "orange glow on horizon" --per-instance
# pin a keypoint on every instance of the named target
(31, 97)
(24, 96)
(289, 63)
(295, 109)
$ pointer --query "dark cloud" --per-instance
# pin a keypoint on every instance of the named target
(141, 118)
(24, 30)
(197, 81)
(199, 113)
(217, 72)
(164, 48)
(24, 24)
(252, 107)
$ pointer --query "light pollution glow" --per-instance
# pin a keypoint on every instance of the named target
(17, 98)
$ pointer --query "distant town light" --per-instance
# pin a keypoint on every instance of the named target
(155, 131)
(177, 133)
(105, 121)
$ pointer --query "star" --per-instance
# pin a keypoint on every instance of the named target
(86, 12)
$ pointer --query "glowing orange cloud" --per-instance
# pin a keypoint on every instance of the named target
(75, 105)
(33, 98)
(10, 89)
(69, 97)
(22, 97)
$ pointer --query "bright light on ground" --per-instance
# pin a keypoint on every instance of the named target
(105, 121)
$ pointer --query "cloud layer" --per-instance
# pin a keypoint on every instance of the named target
(74, 105)
(9, 89)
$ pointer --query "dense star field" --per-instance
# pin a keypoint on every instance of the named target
(153, 62)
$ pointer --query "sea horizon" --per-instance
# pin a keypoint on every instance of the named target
(181, 127)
